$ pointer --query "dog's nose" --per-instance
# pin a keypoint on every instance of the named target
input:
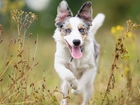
(76, 42)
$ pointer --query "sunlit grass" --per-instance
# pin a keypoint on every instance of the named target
(21, 80)
(122, 87)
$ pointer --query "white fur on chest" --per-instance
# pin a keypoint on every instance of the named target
(76, 66)
(79, 66)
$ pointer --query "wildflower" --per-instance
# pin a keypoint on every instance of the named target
(129, 34)
(22, 18)
(34, 16)
(113, 30)
(119, 28)
(132, 26)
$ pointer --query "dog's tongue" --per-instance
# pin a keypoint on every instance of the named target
(76, 52)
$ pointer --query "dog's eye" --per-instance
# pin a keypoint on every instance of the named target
(82, 30)
(68, 30)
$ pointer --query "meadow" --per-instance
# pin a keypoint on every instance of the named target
(27, 75)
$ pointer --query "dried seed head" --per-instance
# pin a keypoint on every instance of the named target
(1, 80)
(36, 63)
(0, 26)
(1, 41)
(35, 41)
(23, 19)
(30, 34)
(32, 84)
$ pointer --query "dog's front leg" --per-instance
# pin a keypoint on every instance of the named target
(87, 82)
(64, 89)
(68, 80)
(66, 75)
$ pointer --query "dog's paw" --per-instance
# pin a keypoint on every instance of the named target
(76, 92)
(72, 82)
(64, 102)
(84, 103)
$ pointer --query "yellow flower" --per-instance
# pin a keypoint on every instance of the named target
(113, 30)
(119, 28)
(129, 34)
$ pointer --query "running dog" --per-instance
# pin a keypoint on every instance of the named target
(77, 52)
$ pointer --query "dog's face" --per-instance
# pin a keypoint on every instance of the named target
(74, 30)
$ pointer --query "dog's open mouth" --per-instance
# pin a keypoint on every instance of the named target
(76, 51)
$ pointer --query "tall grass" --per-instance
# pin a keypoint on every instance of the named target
(18, 61)
(116, 91)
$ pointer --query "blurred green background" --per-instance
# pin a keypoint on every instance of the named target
(116, 11)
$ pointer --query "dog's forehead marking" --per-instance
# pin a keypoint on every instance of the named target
(81, 25)
(74, 24)
(69, 26)
(75, 21)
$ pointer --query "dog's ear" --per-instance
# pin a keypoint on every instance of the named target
(85, 13)
(63, 12)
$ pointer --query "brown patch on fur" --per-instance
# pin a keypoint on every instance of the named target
(80, 26)
(62, 36)
(69, 27)
(84, 34)
(63, 30)
(84, 37)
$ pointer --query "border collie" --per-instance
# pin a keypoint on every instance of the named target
(77, 52)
